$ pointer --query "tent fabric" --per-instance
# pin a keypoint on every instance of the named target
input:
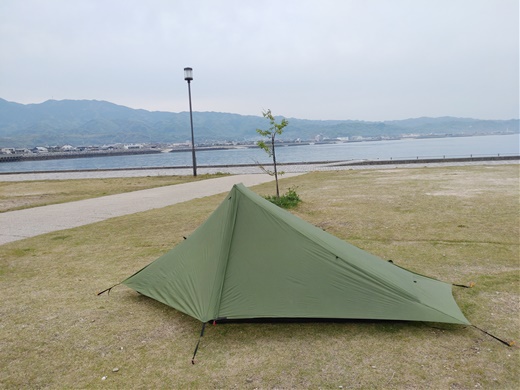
(252, 259)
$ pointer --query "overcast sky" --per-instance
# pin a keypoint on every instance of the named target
(323, 59)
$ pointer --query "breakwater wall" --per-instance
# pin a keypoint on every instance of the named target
(433, 160)
(330, 164)
(65, 155)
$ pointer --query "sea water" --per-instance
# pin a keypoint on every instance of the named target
(451, 147)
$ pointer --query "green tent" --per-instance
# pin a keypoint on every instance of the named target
(251, 259)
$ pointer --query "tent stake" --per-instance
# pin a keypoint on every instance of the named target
(108, 289)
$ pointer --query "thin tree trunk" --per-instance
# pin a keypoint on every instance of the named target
(275, 170)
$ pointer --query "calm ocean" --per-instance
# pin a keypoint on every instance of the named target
(491, 145)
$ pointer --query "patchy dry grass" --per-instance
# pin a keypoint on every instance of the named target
(26, 194)
(457, 224)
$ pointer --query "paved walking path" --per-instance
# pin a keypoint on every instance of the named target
(17, 225)
(20, 224)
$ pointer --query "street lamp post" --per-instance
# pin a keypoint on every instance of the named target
(188, 76)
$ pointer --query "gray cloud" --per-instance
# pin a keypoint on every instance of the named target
(326, 59)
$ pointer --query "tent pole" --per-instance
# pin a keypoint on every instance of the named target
(197, 347)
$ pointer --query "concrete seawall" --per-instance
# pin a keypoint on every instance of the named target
(66, 155)
(436, 160)
(336, 163)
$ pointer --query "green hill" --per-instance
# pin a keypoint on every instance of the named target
(92, 122)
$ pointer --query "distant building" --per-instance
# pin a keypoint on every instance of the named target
(133, 146)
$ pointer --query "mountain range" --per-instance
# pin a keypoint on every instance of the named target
(93, 122)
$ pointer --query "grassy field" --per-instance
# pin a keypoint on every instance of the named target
(458, 224)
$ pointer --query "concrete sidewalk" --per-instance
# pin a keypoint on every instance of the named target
(17, 225)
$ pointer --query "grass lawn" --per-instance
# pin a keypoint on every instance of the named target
(457, 224)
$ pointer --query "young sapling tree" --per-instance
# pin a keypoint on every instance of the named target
(268, 144)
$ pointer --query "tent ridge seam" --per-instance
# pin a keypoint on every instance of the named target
(227, 251)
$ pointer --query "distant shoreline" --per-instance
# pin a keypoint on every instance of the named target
(17, 157)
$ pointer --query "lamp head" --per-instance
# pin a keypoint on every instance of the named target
(188, 74)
